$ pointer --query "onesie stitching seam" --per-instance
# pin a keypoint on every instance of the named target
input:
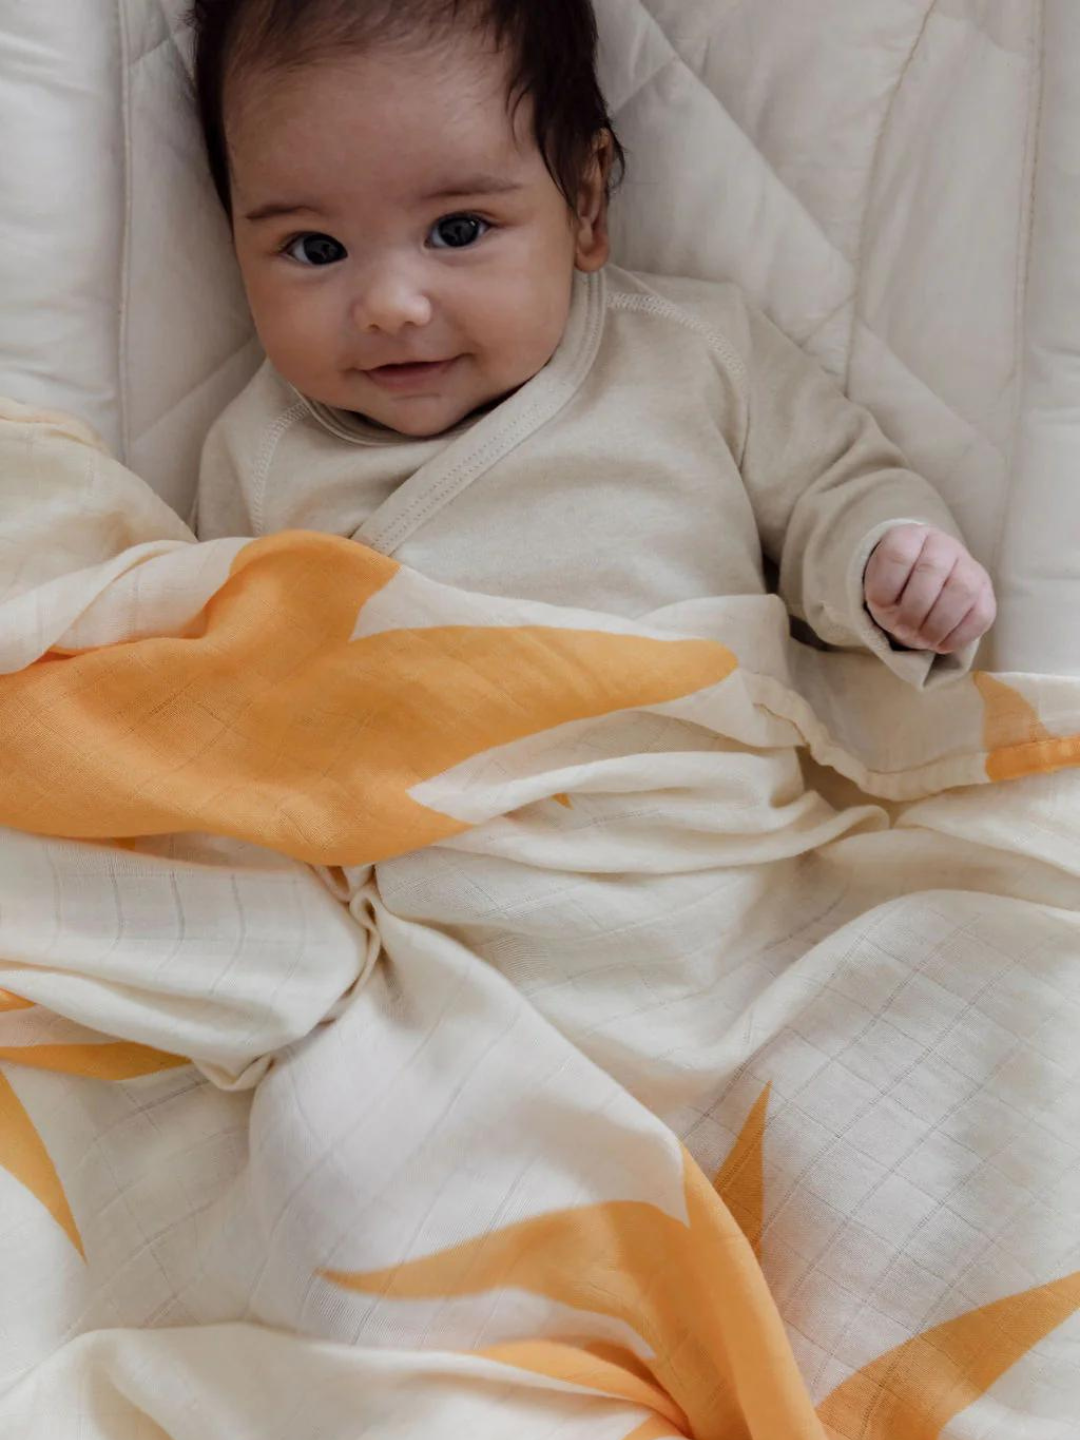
(415, 513)
(1022, 280)
(261, 470)
(501, 443)
(662, 309)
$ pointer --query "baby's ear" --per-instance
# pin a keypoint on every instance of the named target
(591, 222)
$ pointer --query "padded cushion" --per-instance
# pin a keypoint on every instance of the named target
(122, 301)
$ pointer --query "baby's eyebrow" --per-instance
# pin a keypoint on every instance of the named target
(280, 207)
(460, 189)
(474, 185)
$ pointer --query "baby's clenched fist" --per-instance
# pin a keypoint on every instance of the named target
(925, 590)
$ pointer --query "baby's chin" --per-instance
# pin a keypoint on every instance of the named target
(426, 419)
(416, 426)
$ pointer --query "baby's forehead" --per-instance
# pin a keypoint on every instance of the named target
(407, 123)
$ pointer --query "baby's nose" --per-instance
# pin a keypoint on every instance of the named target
(390, 302)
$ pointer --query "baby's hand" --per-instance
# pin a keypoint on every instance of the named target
(923, 588)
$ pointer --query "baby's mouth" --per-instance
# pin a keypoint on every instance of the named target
(409, 375)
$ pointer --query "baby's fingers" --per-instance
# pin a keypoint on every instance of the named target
(974, 624)
(951, 609)
(891, 565)
(928, 575)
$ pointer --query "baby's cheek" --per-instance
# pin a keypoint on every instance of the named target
(528, 344)
(296, 336)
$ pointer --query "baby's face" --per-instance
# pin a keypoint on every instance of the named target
(405, 252)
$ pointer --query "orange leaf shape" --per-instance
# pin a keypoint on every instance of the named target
(655, 1429)
(607, 1369)
(23, 1155)
(740, 1182)
(912, 1392)
(275, 726)
(119, 1060)
(9, 1002)
(1016, 740)
(691, 1289)
(719, 1367)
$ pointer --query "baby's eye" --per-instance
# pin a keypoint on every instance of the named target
(457, 232)
(316, 250)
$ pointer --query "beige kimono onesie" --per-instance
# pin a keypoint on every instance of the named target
(674, 436)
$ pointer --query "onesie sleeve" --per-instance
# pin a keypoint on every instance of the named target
(826, 486)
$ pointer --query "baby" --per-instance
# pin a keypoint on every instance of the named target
(456, 375)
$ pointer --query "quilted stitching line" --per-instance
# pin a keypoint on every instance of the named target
(672, 58)
(712, 96)
(855, 264)
(969, 425)
(146, 54)
(857, 316)
(1026, 244)
(679, 60)
(191, 391)
(871, 189)
(129, 62)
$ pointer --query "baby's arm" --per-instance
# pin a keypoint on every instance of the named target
(868, 552)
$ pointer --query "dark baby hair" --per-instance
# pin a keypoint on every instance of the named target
(551, 44)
